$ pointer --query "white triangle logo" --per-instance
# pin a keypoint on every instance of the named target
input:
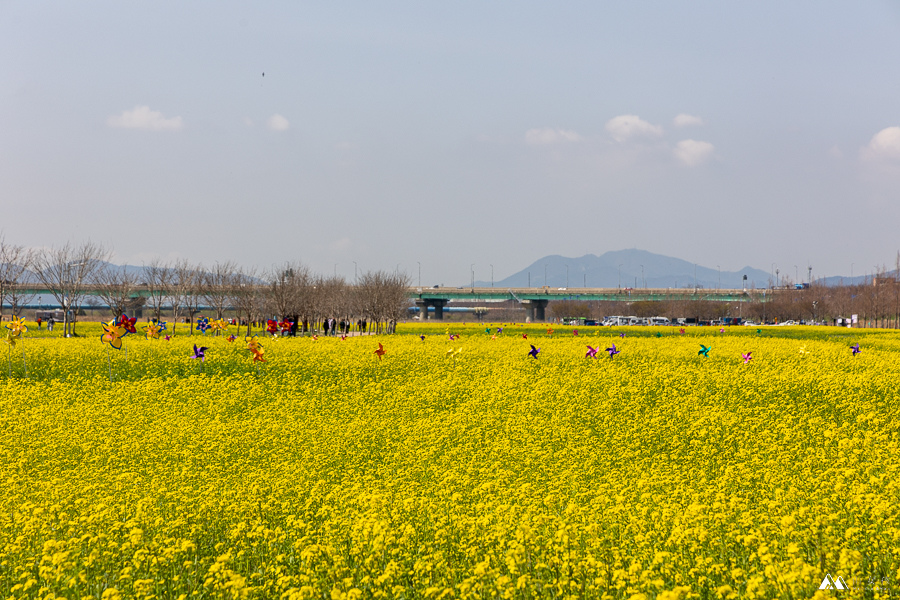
(829, 583)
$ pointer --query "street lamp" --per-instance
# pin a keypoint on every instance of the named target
(473, 275)
(567, 276)
(420, 273)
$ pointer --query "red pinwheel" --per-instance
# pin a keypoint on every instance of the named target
(612, 351)
(534, 352)
(127, 323)
(681, 331)
(272, 326)
(575, 332)
(591, 353)
(380, 352)
(747, 358)
(525, 337)
(285, 327)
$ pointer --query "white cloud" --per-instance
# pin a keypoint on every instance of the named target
(548, 135)
(278, 123)
(625, 127)
(884, 145)
(685, 120)
(141, 117)
(692, 153)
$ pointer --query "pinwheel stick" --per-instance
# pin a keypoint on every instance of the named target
(109, 362)
(9, 360)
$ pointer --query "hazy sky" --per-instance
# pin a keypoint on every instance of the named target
(452, 133)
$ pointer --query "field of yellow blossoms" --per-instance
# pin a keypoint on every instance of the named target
(461, 468)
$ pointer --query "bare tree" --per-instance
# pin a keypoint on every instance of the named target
(382, 299)
(185, 291)
(157, 276)
(246, 295)
(14, 264)
(217, 286)
(118, 288)
(66, 271)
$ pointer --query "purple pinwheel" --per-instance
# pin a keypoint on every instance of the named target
(499, 330)
(747, 358)
(200, 352)
(612, 351)
(534, 352)
(422, 337)
(621, 335)
(855, 348)
(591, 353)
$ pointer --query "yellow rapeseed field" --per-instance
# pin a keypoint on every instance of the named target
(460, 468)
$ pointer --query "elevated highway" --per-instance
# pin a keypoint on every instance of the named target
(535, 300)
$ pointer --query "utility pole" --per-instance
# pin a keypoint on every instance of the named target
(420, 273)
(492, 275)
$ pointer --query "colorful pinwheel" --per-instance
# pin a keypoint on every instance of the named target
(162, 325)
(256, 348)
(855, 349)
(452, 352)
(575, 332)
(525, 337)
(272, 326)
(231, 338)
(549, 331)
(127, 324)
(218, 325)
(168, 337)
(151, 331)
(591, 353)
(113, 334)
(681, 331)
(704, 351)
(747, 358)
(612, 351)
(200, 353)
(534, 352)
(380, 352)
(202, 324)
(17, 326)
(286, 327)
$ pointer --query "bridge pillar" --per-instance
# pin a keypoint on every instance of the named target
(437, 303)
(539, 309)
(535, 309)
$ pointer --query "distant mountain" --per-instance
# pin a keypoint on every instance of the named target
(628, 268)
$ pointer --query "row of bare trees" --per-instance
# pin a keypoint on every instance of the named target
(183, 290)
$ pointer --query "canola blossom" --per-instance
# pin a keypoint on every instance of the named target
(330, 470)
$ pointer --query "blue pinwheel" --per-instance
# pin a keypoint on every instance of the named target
(534, 352)
(612, 351)
(704, 350)
(202, 324)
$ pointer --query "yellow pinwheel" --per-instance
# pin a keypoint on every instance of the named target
(17, 326)
(152, 331)
(113, 334)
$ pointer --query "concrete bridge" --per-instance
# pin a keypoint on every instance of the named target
(535, 300)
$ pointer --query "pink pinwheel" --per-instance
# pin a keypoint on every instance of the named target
(747, 358)
(612, 351)
(721, 330)
(575, 332)
(681, 331)
(534, 352)
(591, 353)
